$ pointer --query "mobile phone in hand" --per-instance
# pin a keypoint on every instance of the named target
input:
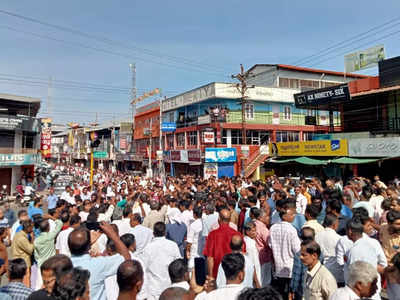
(200, 270)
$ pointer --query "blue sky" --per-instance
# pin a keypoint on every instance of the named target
(168, 40)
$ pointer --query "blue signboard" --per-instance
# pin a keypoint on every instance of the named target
(168, 127)
(220, 155)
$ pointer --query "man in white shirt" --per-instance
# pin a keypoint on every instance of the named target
(85, 195)
(186, 213)
(301, 201)
(124, 225)
(194, 238)
(364, 249)
(157, 256)
(62, 239)
(251, 248)
(179, 274)
(70, 197)
(362, 283)
(328, 240)
(233, 265)
(143, 235)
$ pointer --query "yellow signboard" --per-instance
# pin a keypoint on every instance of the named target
(310, 148)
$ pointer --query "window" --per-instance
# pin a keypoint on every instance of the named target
(283, 82)
(236, 137)
(180, 139)
(170, 141)
(287, 136)
(252, 137)
(294, 83)
(307, 136)
(224, 137)
(249, 111)
(193, 138)
(310, 112)
(287, 113)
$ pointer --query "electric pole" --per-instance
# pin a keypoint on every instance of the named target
(49, 95)
(242, 88)
(133, 91)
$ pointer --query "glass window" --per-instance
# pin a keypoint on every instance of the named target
(283, 82)
(287, 113)
(307, 136)
(193, 138)
(224, 137)
(249, 111)
(170, 141)
(294, 83)
(236, 136)
(180, 139)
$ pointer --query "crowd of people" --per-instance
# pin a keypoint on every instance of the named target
(128, 237)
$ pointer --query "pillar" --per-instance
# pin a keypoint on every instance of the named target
(355, 170)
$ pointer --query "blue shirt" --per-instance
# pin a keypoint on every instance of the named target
(177, 232)
(52, 201)
(100, 268)
(346, 211)
(34, 210)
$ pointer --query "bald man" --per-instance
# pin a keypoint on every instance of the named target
(130, 279)
(173, 293)
(250, 276)
(218, 243)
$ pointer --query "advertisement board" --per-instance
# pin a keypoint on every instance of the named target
(208, 137)
(330, 95)
(220, 155)
(379, 147)
(210, 169)
(19, 159)
(194, 155)
(168, 127)
(310, 148)
(45, 138)
(24, 123)
(364, 59)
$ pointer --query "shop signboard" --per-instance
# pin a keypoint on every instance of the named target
(310, 148)
(245, 149)
(168, 127)
(210, 169)
(220, 155)
(45, 139)
(7, 160)
(175, 155)
(326, 96)
(194, 155)
(184, 156)
(206, 119)
(24, 123)
(159, 155)
(364, 59)
(208, 137)
(379, 147)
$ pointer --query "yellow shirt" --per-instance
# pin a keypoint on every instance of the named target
(21, 247)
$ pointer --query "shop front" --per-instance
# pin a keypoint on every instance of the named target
(13, 167)
(181, 162)
(220, 161)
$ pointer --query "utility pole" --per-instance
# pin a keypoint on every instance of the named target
(49, 95)
(134, 90)
(242, 88)
(150, 169)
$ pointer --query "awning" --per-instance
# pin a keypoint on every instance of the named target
(314, 162)
(353, 161)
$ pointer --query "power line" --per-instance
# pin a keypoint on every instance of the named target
(76, 44)
(347, 41)
(114, 42)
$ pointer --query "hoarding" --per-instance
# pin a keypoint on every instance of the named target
(326, 96)
(220, 155)
(210, 169)
(7, 160)
(379, 147)
(310, 148)
(364, 59)
(45, 139)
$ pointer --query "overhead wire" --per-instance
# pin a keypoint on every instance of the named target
(342, 44)
(113, 42)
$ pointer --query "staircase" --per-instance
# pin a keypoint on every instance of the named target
(253, 162)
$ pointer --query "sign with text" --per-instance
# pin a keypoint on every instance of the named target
(19, 123)
(208, 137)
(379, 147)
(220, 155)
(45, 138)
(364, 59)
(330, 95)
(7, 160)
(210, 169)
(194, 155)
(310, 148)
(168, 127)
(100, 154)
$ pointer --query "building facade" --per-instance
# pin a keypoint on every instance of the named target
(19, 139)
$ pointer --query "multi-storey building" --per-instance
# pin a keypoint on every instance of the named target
(19, 139)
(211, 116)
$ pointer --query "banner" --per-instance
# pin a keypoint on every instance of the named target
(330, 95)
(379, 147)
(45, 139)
(208, 137)
(364, 59)
(210, 169)
(7, 160)
(220, 155)
(310, 148)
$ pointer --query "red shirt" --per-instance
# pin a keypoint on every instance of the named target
(218, 244)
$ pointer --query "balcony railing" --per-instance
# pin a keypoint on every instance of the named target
(7, 150)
